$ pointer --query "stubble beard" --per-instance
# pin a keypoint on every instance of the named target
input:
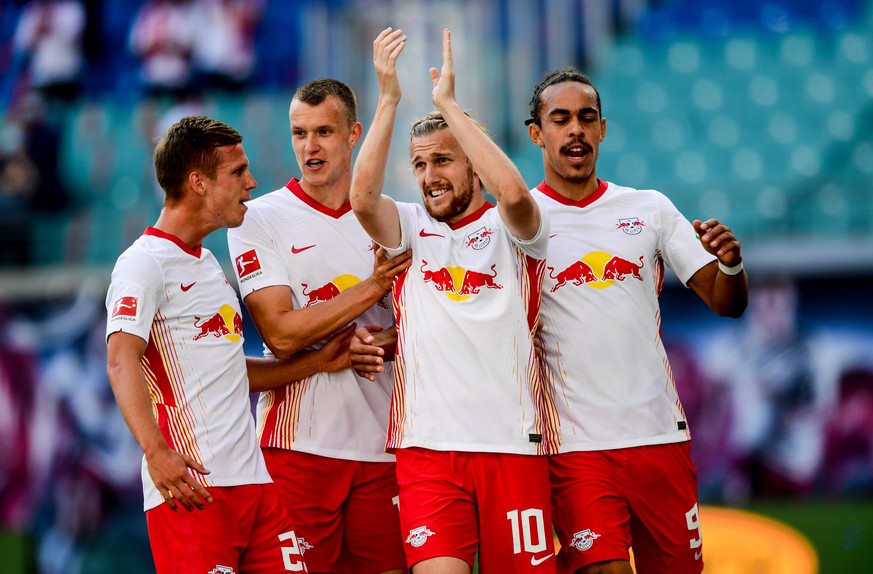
(462, 195)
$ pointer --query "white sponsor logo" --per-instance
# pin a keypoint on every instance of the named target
(534, 561)
(222, 570)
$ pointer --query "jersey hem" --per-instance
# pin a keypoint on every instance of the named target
(339, 455)
(615, 445)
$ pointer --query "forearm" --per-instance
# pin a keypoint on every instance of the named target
(266, 374)
(499, 175)
(730, 294)
(131, 394)
(372, 209)
(727, 295)
(293, 330)
(497, 171)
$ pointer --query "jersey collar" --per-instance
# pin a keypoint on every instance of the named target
(585, 201)
(155, 232)
(294, 187)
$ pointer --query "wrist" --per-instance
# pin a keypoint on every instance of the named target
(734, 270)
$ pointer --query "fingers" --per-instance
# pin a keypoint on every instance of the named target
(367, 365)
(365, 333)
(448, 62)
(401, 262)
(388, 45)
(187, 491)
(718, 239)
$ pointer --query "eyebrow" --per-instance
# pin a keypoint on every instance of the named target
(564, 112)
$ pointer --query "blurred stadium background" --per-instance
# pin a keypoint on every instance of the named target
(758, 113)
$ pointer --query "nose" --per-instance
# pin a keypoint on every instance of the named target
(252, 183)
(430, 175)
(574, 126)
(311, 143)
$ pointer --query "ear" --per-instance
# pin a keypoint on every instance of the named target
(195, 183)
(602, 128)
(536, 134)
(355, 136)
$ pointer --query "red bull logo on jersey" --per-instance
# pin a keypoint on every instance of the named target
(248, 265)
(630, 225)
(597, 270)
(125, 309)
(480, 238)
(329, 290)
(459, 283)
(226, 323)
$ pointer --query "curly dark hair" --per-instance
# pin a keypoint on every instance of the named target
(569, 74)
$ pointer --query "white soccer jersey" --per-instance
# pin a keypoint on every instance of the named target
(466, 375)
(290, 239)
(604, 358)
(180, 303)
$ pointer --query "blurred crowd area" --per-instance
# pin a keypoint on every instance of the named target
(758, 113)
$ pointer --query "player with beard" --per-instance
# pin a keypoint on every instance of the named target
(469, 422)
(624, 474)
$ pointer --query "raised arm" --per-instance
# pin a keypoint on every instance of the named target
(377, 213)
(499, 175)
(722, 285)
(167, 468)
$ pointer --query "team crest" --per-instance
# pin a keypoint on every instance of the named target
(304, 545)
(480, 238)
(630, 225)
(583, 540)
(418, 536)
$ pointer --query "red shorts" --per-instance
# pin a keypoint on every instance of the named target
(645, 497)
(452, 503)
(245, 529)
(345, 510)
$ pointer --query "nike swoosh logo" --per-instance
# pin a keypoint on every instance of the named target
(296, 250)
(424, 233)
(186, 287)
(534, 561)
(697, 555)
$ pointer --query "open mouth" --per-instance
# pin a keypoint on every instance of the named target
(576, 152)
(313, 163)
(437, 192)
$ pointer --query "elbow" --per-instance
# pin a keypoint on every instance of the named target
(283, 348)
(734, 310)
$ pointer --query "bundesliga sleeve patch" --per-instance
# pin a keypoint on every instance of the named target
(125, 309)
(248, 265)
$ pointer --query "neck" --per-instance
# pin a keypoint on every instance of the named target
(575, 190)
(333, 195)
(188, 227)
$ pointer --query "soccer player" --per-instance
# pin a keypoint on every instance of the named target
(305, 269)
(176, 365)
(624, 475)
(467, 417)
